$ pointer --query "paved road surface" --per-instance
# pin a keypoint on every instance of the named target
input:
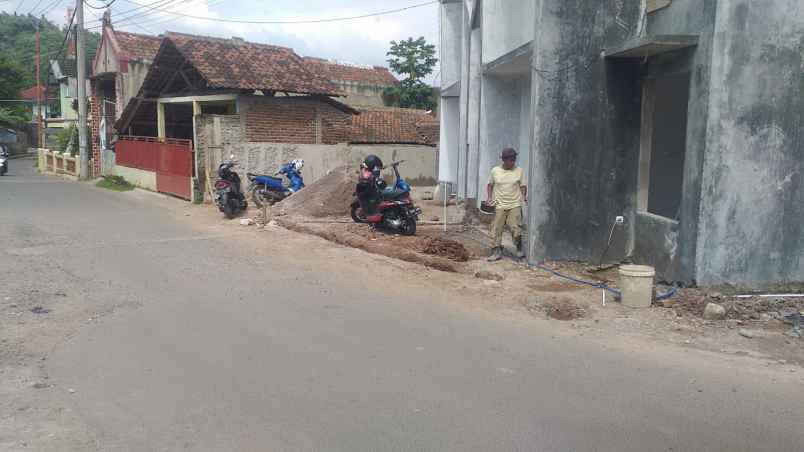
(208, 343)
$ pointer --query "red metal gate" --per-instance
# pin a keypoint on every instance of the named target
(174, 169)
(171, 159)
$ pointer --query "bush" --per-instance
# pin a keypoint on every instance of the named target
(116, 183)
(67, 140)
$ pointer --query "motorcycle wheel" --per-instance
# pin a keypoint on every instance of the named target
(408, 227)
(356, 217)
(257, 198)
(229, 207)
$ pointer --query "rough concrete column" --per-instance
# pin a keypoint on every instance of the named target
(464, 107)
(538, 188)
(473, 115)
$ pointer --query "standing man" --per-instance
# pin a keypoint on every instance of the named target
(507, 192)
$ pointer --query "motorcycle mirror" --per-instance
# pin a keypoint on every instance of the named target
(231, 157)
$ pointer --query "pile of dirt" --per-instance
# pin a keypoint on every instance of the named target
(439, 246)
(692, 302)
(754, 308)
(564, 309)
(364, 238)
(329, 196)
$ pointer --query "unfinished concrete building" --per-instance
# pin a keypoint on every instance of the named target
(683, 116)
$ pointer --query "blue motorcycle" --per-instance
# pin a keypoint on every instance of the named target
(267, 190)
(391, 207)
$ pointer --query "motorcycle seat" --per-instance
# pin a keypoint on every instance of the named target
(394, 194)
(265, 177)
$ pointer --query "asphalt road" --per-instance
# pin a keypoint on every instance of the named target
(211, 338)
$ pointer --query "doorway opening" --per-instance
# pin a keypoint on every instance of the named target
(663, 145)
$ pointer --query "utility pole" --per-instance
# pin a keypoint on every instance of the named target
(40, 133)
(81, 57)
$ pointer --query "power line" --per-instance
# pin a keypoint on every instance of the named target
(131, 10)
(290, 22)
(19, 5)
(158, 20)
(50, 7)
(35, 6)
(64, 41)
(126, 19)
(99, 7)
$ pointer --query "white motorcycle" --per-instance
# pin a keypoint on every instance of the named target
(3, 162)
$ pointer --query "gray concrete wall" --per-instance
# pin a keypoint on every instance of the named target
(751, 229)
(585, 128)
(505, 122)
(448, 140)
(320, 159)
(507, 25)
(451, 43)
(221, 136)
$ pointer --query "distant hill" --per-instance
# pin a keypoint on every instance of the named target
(18, 43)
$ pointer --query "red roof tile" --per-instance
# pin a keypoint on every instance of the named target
(136, 46)
(237, 64)
(394, 125)
(30, 93)
(343, 72)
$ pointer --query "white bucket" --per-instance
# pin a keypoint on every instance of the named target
(636, 284)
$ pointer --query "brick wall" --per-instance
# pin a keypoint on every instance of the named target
(93, 121)
(295, 120)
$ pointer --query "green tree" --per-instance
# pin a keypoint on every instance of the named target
(18, 43)
(12, 78)
(12, 117)
(12, 81)
(415, 59)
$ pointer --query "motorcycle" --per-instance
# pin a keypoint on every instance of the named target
(228, 194)
(3, 161)
(272, 189)
(387, 207)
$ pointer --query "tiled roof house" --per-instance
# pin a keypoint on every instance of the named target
(388, 125)
(237, 64)
(267, 85)
(121, 62)
(363, 85)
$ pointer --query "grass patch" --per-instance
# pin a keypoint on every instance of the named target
(115, 183)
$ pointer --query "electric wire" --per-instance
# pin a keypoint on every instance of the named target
(290, 22)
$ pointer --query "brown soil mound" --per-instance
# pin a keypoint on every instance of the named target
(329, 196)
(563, 309)
(343, 236)
(439, 246)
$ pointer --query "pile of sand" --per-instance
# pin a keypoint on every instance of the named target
(329, 196)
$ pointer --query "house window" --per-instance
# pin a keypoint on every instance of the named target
(227, 107)
(663, 145)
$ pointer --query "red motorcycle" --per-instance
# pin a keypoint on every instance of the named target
(389, 208)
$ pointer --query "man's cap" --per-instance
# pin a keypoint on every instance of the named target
(508, 153)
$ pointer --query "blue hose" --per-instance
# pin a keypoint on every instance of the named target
(669, 294)
(597, 285)
(601, 285)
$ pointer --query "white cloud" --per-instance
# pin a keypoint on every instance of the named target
(363, 41)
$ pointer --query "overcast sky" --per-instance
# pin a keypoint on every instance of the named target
(363, 41)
